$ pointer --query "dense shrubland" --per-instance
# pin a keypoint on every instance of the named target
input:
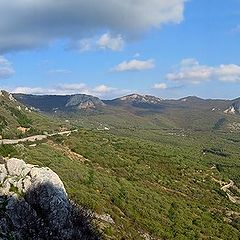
(155, 183)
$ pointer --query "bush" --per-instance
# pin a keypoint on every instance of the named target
(22, 119)
(3, 123)
(7, 151)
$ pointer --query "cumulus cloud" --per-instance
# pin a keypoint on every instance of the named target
(61, 89)
(160, 86)
(191, 71)
(31, 90)
(30, 24)
(102, 91)
(71, 88)
(134, 65)
(6, 69)
(106, 41)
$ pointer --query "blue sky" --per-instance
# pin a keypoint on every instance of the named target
(169, 49)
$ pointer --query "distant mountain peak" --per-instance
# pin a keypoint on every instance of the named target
(191, 98)
(141, 98)
(83, 101)
(130, 97)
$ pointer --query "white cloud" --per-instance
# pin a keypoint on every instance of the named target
(134, 65)
(107, 41)
(190, 70)
(83, 88)
(6, 69)
(228, 73)
(29, 90)
(61, 89)
(38, 23)
(101, 91)
(160, 86)
(71, 88)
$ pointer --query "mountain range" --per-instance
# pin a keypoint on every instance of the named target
(54, 103)
(139, 111)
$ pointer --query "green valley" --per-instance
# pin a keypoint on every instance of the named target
(155, 179)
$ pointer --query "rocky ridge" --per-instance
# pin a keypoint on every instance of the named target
(234, 108)
(34, 205)
(141, 99)
(56, 103)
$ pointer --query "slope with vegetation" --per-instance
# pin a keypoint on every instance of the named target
(166, 187)
(17, 120)
(149, 173)
(141, 111)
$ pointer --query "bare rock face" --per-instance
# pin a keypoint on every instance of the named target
(34, 205)
(17, 167)
(3, 173)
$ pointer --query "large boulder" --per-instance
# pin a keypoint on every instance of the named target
(34, 205)
(17, 167)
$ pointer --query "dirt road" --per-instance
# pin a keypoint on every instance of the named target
(34, 138)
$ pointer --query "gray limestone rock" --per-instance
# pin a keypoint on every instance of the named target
(3, 173)
(15, 166)
(34, 205)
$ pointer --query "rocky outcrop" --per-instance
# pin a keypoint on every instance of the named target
(234, 108)
(34, 205)
(82, 101)
(137, 98)
(230, 110)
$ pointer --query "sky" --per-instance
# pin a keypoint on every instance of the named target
(111, 48)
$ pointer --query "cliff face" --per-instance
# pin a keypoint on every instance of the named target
(35, 205)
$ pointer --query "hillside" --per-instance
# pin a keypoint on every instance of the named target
(140, 111)
(148, 183)
(121, 120)
(146, 172)
(58, 103)
(18, 120)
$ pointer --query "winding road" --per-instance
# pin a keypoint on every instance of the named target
(34, 138)
(230, 195)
